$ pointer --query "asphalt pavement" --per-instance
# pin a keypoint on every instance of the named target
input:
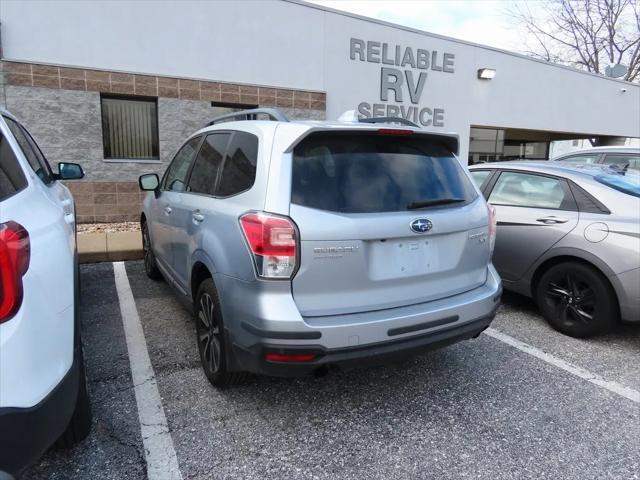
(477, 409)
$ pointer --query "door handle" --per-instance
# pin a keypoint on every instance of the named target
(69, 218)
(167, 210)
(550, 220)
(197, 217)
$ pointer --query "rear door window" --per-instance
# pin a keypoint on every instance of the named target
(12, 180)
(239, 171)
(176, 176)
(207, 165)
(529, 190)
(31, 151)
(365, 172)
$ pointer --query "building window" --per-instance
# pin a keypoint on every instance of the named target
(222, 108)
(130, 128)
(517, 149)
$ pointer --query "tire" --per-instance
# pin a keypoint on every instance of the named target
(577, 300)
(150, 265)
(210, 337)
(80, 423)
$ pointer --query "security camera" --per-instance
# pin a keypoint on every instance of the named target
(623, 90)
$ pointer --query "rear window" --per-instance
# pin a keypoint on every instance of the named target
(629, 183)
(239, 171)
(366, 172)
(12, 179)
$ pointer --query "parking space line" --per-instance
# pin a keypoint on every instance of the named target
(160, 454)
(615, 387)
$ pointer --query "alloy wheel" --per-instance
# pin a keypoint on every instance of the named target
(572, 299)
(148, 259)
(208, 334)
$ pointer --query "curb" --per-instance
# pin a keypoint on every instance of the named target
(109, 247)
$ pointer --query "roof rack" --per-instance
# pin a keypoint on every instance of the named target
(401, 121)
(273, 114)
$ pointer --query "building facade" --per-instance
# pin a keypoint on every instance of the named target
(118, 86)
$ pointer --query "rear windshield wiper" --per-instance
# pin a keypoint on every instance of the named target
(430, 203)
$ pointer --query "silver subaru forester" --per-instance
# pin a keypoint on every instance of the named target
(306, 245)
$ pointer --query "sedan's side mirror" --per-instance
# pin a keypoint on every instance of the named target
(149, 183)
(69, 171)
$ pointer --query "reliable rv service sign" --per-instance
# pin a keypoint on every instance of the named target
(403, 74)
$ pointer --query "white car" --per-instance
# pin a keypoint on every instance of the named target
(43, 394)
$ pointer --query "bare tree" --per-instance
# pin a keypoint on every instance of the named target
(586, 34)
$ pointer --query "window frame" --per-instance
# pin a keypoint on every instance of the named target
(142, 98)
(163, 180)
(568, 204)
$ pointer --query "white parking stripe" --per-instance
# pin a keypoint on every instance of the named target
(160, 455)
(615, 387)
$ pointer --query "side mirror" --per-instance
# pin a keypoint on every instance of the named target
(69, 171)
(149, 182)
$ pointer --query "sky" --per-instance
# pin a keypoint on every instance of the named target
(480, 21)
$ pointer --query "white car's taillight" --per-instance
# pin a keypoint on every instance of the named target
(493, 227)
(273, 243)
(15, 255)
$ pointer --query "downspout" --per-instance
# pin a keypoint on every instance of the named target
(3, 90)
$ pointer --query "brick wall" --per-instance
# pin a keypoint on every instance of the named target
(107, 201)
(51, 76)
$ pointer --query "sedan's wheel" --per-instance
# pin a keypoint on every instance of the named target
(150, 266)
(211, 338)
(577, 300)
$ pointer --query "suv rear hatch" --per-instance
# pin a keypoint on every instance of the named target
(355, 196)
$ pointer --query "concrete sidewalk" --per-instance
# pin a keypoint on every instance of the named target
(109, 247)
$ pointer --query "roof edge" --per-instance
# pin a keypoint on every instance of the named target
(356, 16)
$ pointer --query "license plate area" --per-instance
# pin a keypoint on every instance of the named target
(407, 257)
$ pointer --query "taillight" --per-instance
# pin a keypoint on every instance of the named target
(395, 132)
(15, 254)
(289, 357)
(493, 226)
(273, 244)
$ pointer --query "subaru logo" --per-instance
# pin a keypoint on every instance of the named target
(421, 225)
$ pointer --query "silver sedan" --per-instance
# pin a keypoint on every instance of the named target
(569, 237)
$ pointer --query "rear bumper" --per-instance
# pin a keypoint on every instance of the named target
(26, 433)
(253, 358)
(369, 337)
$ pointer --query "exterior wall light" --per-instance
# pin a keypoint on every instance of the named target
(486, 73)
